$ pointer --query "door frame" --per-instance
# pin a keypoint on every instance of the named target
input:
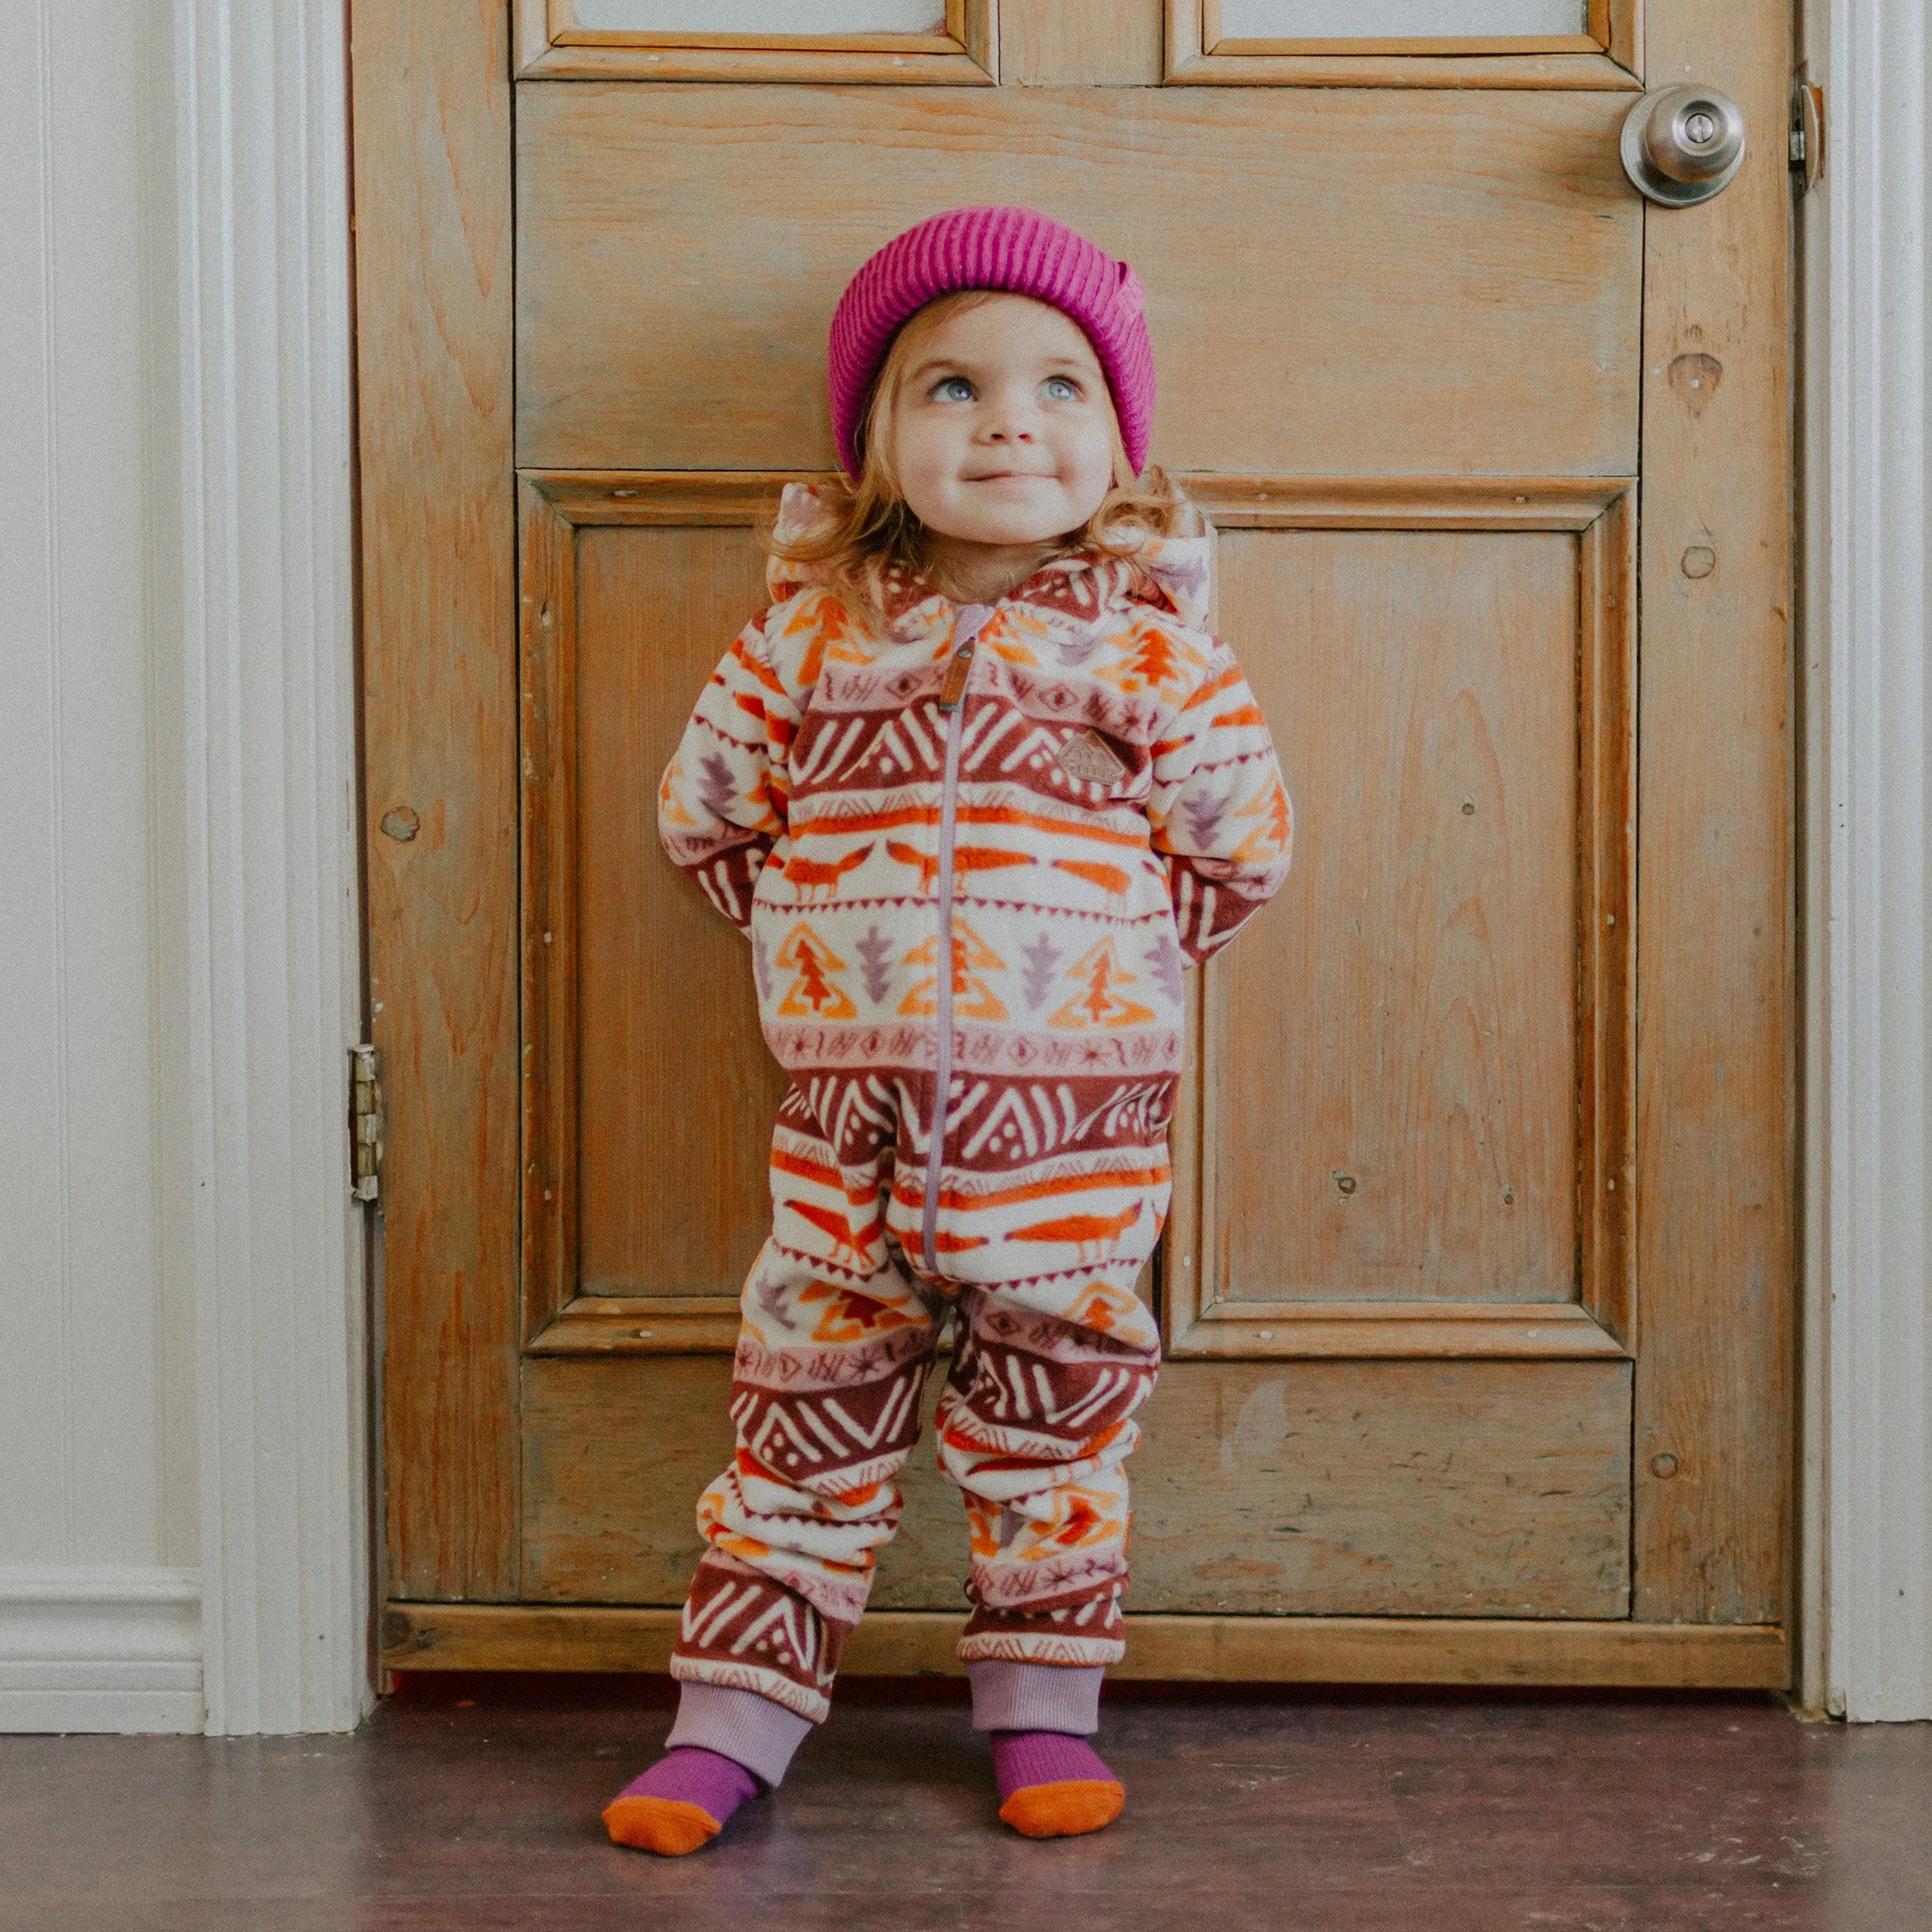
(1863, 1512)
(1864, 484)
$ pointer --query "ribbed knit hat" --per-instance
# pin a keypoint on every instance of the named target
(1013, 249)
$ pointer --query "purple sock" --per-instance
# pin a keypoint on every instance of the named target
(1023, 1758)
(693, 1776)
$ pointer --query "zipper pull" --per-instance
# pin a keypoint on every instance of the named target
(972, 619)
(958, 669)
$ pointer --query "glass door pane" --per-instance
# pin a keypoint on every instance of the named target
(788, 17)
(1401, 19)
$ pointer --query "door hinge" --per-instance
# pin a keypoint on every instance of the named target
(1806, 134)
(366, 1123)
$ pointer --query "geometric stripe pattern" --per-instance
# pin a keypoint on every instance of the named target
(1034, 1426)
(1118, 814)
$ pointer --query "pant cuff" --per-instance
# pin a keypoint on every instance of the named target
(1035, 1697)
(750, 1730)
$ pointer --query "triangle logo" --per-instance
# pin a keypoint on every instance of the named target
(1090, 758)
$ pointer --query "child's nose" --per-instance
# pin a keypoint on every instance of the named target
(1010, 423)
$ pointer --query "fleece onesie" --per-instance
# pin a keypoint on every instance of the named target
(973, 848)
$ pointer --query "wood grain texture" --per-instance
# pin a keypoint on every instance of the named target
(1477, 307)
(1715, 1079)
(1195, 1321)
(1475, 316)
(644, 1189)
(1449, 1489)
(676, 1091)
(432, 112)
(470, 1804)
(547, 817)
(1399, 1118)
(1503, 73)
(1396, 1331)
(1281, 501)
(1066, 43)
(1607, 937)
(666, 498)
(641, 1325)
(1260, 1650)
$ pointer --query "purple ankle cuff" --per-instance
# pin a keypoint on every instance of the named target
(1036, 1697)
(740, 1725)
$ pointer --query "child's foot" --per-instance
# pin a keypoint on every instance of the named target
(684, 1801)
(1053, 1786)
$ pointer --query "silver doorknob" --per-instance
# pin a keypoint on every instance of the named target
(1682, 145)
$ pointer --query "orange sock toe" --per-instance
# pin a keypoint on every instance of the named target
(1064, 1810)
(666, 1826)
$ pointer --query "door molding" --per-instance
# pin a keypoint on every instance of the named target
(1866, 1511)
(1609, 55)
(1258, 1650)
(550, 44)
(273, 996)
(93, 1649)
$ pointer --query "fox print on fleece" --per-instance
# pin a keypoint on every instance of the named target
(973, 848)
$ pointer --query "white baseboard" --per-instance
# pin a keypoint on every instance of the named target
(99, 1650)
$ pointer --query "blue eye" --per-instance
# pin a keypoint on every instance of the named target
(1061, 389)
(953, 388)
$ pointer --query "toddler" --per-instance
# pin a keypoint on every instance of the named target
(978, 788)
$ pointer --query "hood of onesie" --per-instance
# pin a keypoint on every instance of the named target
(1177, 566)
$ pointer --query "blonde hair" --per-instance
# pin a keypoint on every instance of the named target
(866, 528)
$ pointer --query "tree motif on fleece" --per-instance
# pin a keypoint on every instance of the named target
(813, 994)
(717, 788)
(875, 958)
(1274, 829)
(1203, 815)
(1155, 659)
(1037, 981)
(671, 810)
(1167, 962)
(1099, 1004)
(972, 998)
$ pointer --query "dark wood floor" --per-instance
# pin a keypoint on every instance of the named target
(473, 1805)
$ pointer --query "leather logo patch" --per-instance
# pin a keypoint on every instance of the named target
(1090, 759)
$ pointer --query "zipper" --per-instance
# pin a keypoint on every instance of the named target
(952, 692)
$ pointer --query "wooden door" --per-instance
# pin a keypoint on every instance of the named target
(1476, 1293)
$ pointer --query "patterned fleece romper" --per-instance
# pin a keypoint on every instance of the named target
(1069, 796)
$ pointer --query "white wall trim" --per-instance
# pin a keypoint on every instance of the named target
(1865, 247)
(273, 913)
(99, 1650)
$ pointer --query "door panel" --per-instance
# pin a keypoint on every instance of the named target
(1406, 1081)
(1343, 283)
(1389, 1489)
(676, 1093)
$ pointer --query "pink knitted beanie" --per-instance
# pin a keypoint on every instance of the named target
(1010, 249)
